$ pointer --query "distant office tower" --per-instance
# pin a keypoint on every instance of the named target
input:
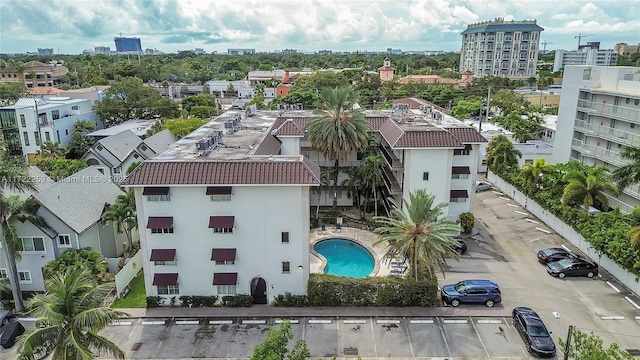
(102, 50)
(240, 51)
(585, 56)
(124, 45)
(501, 48)
(45, 51)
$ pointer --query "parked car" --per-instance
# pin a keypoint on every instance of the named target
(5, 317)
(553, 254)
(483, 185)
(471, 291)
(572, 267)
(461, 247)
(531, 328)
(11, 332)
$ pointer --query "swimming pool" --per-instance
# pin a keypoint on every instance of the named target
(345, 258)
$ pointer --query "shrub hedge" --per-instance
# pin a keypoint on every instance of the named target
(238, 300)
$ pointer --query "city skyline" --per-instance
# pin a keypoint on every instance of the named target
(307, 26)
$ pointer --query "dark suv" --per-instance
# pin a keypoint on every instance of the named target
(471, 291)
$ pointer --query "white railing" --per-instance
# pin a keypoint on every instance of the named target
(610, 110)
(609, 133)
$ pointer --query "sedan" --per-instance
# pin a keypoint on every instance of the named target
(548, 255)
(572, 267)
(483, 186)
(536, 337)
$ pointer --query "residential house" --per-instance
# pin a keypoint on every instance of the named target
(46, 75)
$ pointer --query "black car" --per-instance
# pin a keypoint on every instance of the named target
(532, 330)
(553, 254)
(572, 267)
(461, 247)
(11, 332)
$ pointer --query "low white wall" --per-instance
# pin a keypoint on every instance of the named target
(128, 272)
(628, 279)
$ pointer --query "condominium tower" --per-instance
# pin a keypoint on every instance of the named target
(501, 48)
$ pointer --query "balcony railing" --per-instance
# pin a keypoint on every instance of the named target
(608, 156)
(391, 158)
(390, 182)
(615, 111)
(608, 133)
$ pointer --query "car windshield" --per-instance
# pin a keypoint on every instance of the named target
(537, 331)
(565, 262)
(460, 287)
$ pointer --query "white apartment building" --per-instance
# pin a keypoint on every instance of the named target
(584, 56)
(600, 112)
(30, 122)
(501, 48)
(226, 210)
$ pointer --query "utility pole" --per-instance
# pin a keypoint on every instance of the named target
(487, 112)
(580, 36)
(566, 348)
(544, 44)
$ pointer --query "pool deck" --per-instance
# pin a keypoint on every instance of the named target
(363, 237)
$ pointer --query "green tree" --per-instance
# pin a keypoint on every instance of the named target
(628, 174)
(324, 184)
(338, 129)
(51, 150)
(508, 101)
(124, 217)
(199, 100)
(590, 347)
(85, 258)
(501, 154)
(464, 109)
(420, 232)
(134, 165)
(274, 346)
(80, 143)
(14, 177)
(634, 232)
(532, 173)
(181, 127)
(10, 92)
(60, 168)
(589, 189)
(69, 316)
(157, 127)
(371, 173)
(353, 185)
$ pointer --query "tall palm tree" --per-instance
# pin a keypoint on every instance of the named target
(33, 75)
(371, 172)
(338, 129)
(493, 143)
(324, 183)
(69, 316)
(14, 177)
(124, 216)
(532, 173)
(51, 150)
(504, 155)
(419, 233)
(589, 189)
(628, 174)
(353, 184)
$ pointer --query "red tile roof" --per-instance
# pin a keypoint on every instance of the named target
(398, 137)
(466, 134)
(375, 122)
(289, 128)
(257, 172)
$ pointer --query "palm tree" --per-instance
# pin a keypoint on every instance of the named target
(628, 174)
(338, 129)
(371, 172)
(69, 316)
(324, 183)
(14, 176)
(353, 184)
(503, 155)
(32, 75)
(124, 216)
(532, 173)
(496, 141)
(589, 189)
(51, 150)
(419, 233)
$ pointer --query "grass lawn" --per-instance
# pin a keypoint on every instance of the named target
(136, 298)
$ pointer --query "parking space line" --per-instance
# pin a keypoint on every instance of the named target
(637, 317)
(354, 321)
(387, 321)
(613, 286)
(497, 192)
(117, 323)
(187, 322)
(543, 230)
(632, 303)
(489, 321)
(521, 212)
(259, 322)
(612, 317)
(406, 329)
(220, 322)
(292, 321)
(513, 333)
(505, 198)
(532, 221)
(164, 336)
(421, 321)
(455, 321)
(444, 338)
(480, 338)
(153, 322)
(319, 321)
(375, 347)
(565, 247)
(513, 205)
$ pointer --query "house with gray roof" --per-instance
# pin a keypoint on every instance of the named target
(71, 209)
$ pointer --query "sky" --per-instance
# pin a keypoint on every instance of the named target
(71, 26)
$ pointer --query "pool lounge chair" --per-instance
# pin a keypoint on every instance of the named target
(396, 262)
(338, 227)
(399, 271)
(323, 229)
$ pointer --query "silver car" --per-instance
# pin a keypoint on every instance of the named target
(483, 185)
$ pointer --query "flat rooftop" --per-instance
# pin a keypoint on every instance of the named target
(139, 127)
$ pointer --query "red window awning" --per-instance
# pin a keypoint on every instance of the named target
(163, 255)
(165, 279)
(219, 190)
(223, 254)
(460, 170)
(155, 191)
(459, 194)
(160, 222)
(219, 222)
(225, 278)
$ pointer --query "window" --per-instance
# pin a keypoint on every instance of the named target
(26, 138)
(465, 151)
(286, 267)
(459, 176)
(425, 175)
(32, 244)
(143, 147)
(220, 197)
(586, 74)
(162, 231)
(219, 193)
(75, 107)
(225, 262)
(64, 240)
(35, 134)
(223, 230)
(25, 277)
(55, 114)
(528, 161)
(159, 197)
(285, 237)
(66, 131)
(23, 121)
(47, 136)
(3, 273)
(226, 289)
(173, 262)
(168, 290)
(116, 170)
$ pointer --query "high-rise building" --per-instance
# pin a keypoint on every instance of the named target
(600, 112)
(501, 48)
(124, 45)
(585, 56)
(240, 51)
(102, 50)
(45, 51)
(625, 49)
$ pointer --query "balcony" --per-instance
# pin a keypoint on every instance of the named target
(391, 158)
(609, 110)
(597, 152)
(390, 182)
(608, 133)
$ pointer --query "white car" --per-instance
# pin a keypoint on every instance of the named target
(483, 186)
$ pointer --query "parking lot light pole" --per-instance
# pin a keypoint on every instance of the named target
(566, 348)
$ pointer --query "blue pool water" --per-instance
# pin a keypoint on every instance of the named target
(345, 258)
